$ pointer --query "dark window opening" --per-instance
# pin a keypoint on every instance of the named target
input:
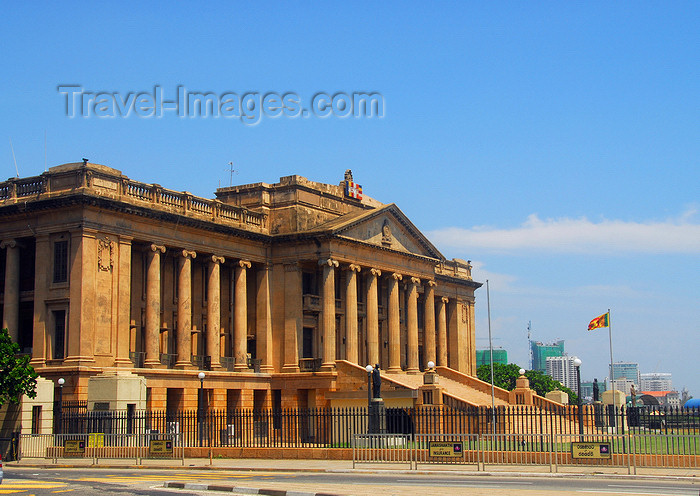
(59, 318)
(308, 281)
(60, 261)
(27, 254)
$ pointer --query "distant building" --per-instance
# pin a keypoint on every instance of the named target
(540, 352)
(623, 384)
(483, 357)
(655, 381)
(562, 369)
(626, 370)
(664, 398)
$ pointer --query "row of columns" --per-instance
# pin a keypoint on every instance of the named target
(436, 352)
(184, 309)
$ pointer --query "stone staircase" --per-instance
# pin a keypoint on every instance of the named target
(454, 388)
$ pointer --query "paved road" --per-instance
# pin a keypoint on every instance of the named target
(124, 482)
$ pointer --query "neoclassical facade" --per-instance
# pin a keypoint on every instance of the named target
(265, 288)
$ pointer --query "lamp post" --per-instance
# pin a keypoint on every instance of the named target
(370, 420)
(61, 382)
(200, 407)
(577, 364)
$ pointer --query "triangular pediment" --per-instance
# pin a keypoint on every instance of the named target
(386, 227)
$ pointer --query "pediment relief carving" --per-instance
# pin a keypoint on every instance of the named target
(388, 230)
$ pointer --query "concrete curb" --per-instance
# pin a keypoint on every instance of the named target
(241, 490)
(358, 471)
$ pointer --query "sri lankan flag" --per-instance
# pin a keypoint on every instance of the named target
(602, 321)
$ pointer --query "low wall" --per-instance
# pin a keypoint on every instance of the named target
(272, 453)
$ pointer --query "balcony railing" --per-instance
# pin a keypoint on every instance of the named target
(202, 362)
(106, 184)
(228, 363)
(137, 358)
(255, 364)
(312, 303)
(168, 359)
(310, 364)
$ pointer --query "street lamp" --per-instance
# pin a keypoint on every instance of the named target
(369, 370)
(200, 407)
(431, 365)
(61, 382)
(577, 364)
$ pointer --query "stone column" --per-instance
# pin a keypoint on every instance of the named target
(184, 310)
(240, 317)
(214, 311)
(328, 312)
(372, 309)
(429, 324)
(412, 326)
(351, 350)
(123, 303)
(442, 332)
(472, 338)
(293, 315)
(42, 275)
(153, 306)
(394, 325)
(10, 309)
(263, 319)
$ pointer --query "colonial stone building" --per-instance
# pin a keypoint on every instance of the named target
(277, 291)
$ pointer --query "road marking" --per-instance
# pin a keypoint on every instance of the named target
(649, 488)
(603, 491)
(471, 482)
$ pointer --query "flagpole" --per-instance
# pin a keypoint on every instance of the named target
(612, 370)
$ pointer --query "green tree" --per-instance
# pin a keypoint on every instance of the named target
(17, 377)
(504, 377)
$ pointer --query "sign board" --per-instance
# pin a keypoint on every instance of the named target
(160, 447)
(73, 447)
(445, 448)
(96, 440)
(591, 451)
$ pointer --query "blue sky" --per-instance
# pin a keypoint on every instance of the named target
(553, 144)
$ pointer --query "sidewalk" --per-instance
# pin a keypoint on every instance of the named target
(340, 466)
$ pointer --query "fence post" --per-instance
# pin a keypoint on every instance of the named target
(551, 452)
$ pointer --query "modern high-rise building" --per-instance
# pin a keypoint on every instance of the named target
(540, 352)
(626, 370)
(483, 357)
(562, 369)
(655, 381)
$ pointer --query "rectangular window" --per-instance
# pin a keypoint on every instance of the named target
(36, 419)
(59, 334)
(60, 261)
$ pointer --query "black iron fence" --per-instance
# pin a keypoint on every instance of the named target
(335, 427)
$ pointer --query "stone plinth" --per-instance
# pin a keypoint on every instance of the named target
(118, 390)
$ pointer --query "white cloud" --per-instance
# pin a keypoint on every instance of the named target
(567, 235)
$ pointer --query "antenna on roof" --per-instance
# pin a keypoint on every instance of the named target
(14, 158)
(231, 172)
(45, 167)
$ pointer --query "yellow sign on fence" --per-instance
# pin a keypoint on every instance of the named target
(160, 447)
(445, 448)
(96, 440)
(73, 447)
(591, 450)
